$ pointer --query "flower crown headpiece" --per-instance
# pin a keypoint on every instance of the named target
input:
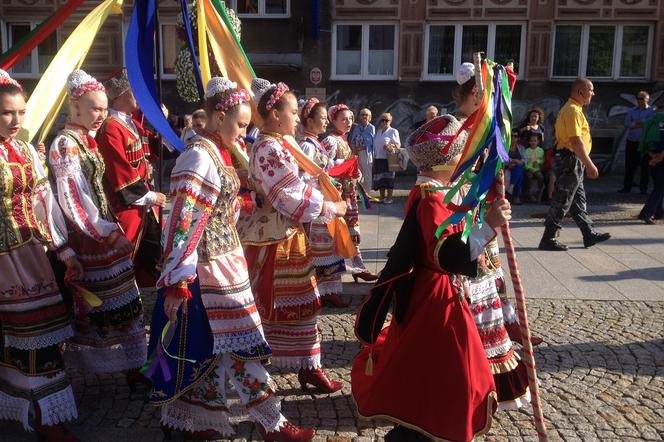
(308, 106)
(334, 110)
(79, 83)
(6, 79)
(221, 85)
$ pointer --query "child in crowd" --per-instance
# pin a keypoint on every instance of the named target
(534, 163)
(515, 169)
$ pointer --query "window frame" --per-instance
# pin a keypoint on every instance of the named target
(34, 73)
(261, 11)
(458, 36)
(617, 51)
(364, 52)
(164, 76)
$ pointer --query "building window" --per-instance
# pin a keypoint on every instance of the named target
(40, 57)
(364, 51)
(601, 51)
(261, 8)
(449, 45)
(170, 45)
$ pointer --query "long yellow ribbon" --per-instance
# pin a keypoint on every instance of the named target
(202, 43)
(49, 95)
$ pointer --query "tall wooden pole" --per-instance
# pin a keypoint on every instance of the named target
(519, 291)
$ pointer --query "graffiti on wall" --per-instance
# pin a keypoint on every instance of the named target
(605, 121)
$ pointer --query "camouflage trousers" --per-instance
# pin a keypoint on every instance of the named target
(569, 195)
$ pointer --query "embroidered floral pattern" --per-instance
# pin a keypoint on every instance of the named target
(251, 386)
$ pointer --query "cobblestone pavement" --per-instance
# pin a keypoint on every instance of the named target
(601, 368)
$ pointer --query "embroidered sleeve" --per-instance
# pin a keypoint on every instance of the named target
(195, 186)
(275, 170)
(121, 176)
(46, 209)
(74, 194)
(329, 144)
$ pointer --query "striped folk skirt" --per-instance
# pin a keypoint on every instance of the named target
(284, 283)
(34, 321)
(111, 337)
(329, 266)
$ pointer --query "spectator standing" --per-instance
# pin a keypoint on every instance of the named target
(198, 122)
(634, 122)
(386, 137)
(432, 112)
(361, 142)
(533, 125)
(515, 169)
(570, 162)
(652, 148)
(534, 163)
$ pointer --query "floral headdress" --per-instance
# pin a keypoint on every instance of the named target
(260, 87)
(6, 79)
(334, 110)
(232, 95)
(308, 106)
(79, 83)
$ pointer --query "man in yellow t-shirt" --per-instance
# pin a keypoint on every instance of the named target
(573, 143)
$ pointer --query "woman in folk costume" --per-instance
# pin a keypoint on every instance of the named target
(276, 246)
(329, 266)
(205, 297)
(431, 322)
(111, 336)
(34, 320)
(337, 147)
(485, 292)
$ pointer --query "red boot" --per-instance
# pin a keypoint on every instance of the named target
(288, 433)
(334, 300)
(55, 433)
(318, 379)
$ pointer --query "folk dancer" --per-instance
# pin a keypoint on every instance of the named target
(205, 290)
(276, 246)
(34, 319)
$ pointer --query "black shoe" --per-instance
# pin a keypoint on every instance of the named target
(624, 190)
(593, 238)
(403, 434)
(552, 244)
(644, 192)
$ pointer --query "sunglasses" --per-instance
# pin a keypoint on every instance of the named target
(384, 120)
(364, 115)
(642, 98)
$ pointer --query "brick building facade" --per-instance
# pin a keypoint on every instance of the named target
(401, 55)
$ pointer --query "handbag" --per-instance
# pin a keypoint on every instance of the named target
(397, 158)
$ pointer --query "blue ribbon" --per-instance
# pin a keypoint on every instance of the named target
(192, 49)
(139, 58)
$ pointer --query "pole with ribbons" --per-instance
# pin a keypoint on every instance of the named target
(519, 291)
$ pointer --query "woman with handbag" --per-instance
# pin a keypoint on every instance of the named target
(385, 142)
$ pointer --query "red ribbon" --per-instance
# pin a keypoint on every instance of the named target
(23, 47)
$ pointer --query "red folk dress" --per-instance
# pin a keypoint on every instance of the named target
(429, 370)
(125, 147)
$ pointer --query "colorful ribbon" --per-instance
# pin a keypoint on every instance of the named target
(139, 59)
(490, 133)
(50, 93)
(25, 45)
(192, 49)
